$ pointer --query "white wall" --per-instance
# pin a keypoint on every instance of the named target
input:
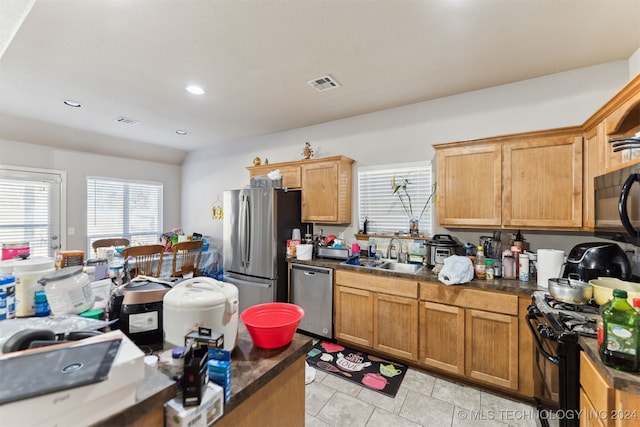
(407, 134)
(79, 165)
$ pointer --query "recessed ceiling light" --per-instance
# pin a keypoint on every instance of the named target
(196, 90)
(71, 103)
(181, 132)
(126, 121)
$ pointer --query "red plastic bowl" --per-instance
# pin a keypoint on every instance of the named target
(272, 325)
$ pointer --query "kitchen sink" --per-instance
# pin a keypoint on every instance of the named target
(389, 266)
(401, 268)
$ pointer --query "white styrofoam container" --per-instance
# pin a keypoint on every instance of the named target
(86, 404)
(211, 408)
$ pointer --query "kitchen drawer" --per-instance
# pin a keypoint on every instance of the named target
(469, 298)
(378, 283)
(595, 385)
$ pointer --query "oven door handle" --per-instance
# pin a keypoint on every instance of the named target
(546, 355)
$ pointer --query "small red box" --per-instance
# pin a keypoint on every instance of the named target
(14, 250)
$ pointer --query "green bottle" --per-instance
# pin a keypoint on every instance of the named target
(621, 334)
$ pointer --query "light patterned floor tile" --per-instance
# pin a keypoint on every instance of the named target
(508, 411)
(382, 418)
(426, 410)
(418, 381)
(345, 410)
(310, 421)
(316, 395)
(463, 417)
(457, 394)
(389, 404)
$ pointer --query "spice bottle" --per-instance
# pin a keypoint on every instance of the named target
(523, 267)
(489, 269)
(480, 263)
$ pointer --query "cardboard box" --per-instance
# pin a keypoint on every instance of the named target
(211, 408)
(204, 337)
(86, 404)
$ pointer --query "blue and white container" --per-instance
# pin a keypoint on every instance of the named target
(7, 297)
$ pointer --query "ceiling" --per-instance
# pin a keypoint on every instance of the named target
(254, 58)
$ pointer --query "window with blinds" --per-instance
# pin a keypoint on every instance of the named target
(31, 204)
(383, 209)
(120, 208)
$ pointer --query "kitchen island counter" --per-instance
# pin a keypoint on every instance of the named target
(267, 388)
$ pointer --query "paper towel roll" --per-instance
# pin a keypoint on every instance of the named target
(549, 265)
(304, 252)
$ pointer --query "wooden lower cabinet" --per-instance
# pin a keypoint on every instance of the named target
(491, 348)
(475, 334)
(377, 312)
(601, 405)
(395, 325)
(354, 315)
(442, 337)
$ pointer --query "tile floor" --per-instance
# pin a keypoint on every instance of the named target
(423, 400)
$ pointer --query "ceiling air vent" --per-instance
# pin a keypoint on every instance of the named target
(126, 121)
(324, 83)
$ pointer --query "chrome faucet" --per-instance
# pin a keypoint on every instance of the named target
(393, 252)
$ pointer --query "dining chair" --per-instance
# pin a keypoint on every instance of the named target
(186, 257)
(148, 260)
(106, 243)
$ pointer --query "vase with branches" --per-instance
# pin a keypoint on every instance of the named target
(400, 188)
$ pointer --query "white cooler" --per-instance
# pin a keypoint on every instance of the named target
(200, 302)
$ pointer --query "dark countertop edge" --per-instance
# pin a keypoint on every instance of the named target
(502, 285)
(619, 380)
(253, 367)
(155, 387)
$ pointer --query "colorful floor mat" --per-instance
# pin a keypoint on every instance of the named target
(361, 368)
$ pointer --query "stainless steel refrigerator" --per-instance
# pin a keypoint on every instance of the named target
(257, 224)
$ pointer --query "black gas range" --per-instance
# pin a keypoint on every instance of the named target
(555, 327)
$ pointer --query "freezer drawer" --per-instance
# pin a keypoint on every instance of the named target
(251, 290)
(312, 289)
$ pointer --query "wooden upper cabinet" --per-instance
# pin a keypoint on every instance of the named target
(531, 180)
(325, 185)
(542, 180)
(290, 173)
(624, 121)
(469, 185)
(326, 190)
(592, 166)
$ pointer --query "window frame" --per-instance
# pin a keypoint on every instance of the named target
(400, 170)
(126, 220)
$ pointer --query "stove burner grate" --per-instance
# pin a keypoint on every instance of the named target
(567, 306)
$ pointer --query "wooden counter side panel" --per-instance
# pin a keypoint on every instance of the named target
(469, 298)
(279, 403)
(375, 283)
(594, 384)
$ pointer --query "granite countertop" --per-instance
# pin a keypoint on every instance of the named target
(621, 380)
(253, 367)
(426, 275)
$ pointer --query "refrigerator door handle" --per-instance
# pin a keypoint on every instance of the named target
(244, 231)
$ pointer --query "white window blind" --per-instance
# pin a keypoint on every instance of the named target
(30, 208)
(383, 209)
(120, 208)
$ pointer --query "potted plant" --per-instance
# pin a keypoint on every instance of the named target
(400, 187)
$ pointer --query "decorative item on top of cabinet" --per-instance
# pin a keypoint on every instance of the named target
(531, 180)
(307, 151)
(256, 161)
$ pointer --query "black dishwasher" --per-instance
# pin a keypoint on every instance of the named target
(312, 289)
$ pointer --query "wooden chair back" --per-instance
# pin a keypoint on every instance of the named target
(148, 259)
(105, 243)
(186, 257)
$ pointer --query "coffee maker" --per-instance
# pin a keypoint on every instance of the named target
(492, 247)
(591, 260)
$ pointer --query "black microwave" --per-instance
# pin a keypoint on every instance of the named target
(617, 205)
